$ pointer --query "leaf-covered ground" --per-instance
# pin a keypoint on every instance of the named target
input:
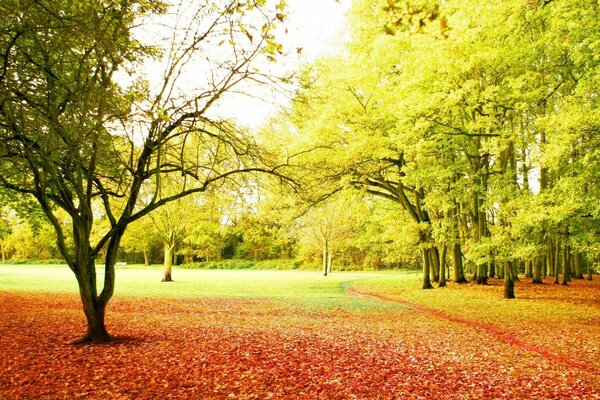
(452, 343)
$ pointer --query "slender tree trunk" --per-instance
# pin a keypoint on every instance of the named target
(426, 266)
(577, 270)
(550, 258)
(509, 284)
(459, 272)
(565, 265)
(491, 267)
(442, 259)
(537, 271)
(146, 257)
(556, 262)
(325, 256)
(167, 261)
(589, 271)
(434, 254)
(329, 259)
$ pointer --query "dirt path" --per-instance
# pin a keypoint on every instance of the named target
(493, 330)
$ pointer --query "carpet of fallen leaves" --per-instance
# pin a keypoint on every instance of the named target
(264, 349)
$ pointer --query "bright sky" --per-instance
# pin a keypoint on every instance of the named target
(316, 26)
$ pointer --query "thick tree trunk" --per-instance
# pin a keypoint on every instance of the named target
(544, 260)
(509, 284)
(167, 261)
(96, 331)
(481, 274)
(459, 272)
(514, 271)
(426, 267)
(528, 268)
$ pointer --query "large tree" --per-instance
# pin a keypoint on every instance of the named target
(82, 131)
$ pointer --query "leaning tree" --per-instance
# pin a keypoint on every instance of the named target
(82, 130)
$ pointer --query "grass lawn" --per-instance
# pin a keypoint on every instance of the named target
(248, 334)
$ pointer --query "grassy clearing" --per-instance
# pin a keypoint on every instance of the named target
(308, 287)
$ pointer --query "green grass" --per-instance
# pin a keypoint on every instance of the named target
(297, 286)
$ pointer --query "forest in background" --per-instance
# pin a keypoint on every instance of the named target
(439, 136)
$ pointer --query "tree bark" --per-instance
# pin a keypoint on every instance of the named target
(434, 254)
(509, 284)
(442, 281)
(491, 267)
(426, 266)
(482, 278)
(556, 262)
(577, 270)
(565, 265)
(167, 261)
(325, 256)
(459, 272)
(537, 271)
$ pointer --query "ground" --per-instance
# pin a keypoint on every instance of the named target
(296, 335)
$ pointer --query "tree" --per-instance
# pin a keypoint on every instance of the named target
(141, 237)
(76, 136)
(328, 227)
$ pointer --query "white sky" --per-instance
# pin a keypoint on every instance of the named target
(317, 27)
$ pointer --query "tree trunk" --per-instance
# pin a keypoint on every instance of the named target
(481, 274)
(146, 257)
(537, 271)
(325, 258)
(434, 255)
(459, 272)
(544, 266)
(509, 284)
(577, 271)
(556, 262)
(96, 330)
(426, 266)
(442, 281)
(491, 268)
(565, 265)
(329, 257)
(167, 261)
(514, 271)
(589, 271)
(528, 268)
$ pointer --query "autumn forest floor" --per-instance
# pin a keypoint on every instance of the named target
(296, 335)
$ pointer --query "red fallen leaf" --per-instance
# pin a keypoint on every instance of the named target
(250, 349)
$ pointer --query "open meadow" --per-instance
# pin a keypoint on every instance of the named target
(251, 334)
